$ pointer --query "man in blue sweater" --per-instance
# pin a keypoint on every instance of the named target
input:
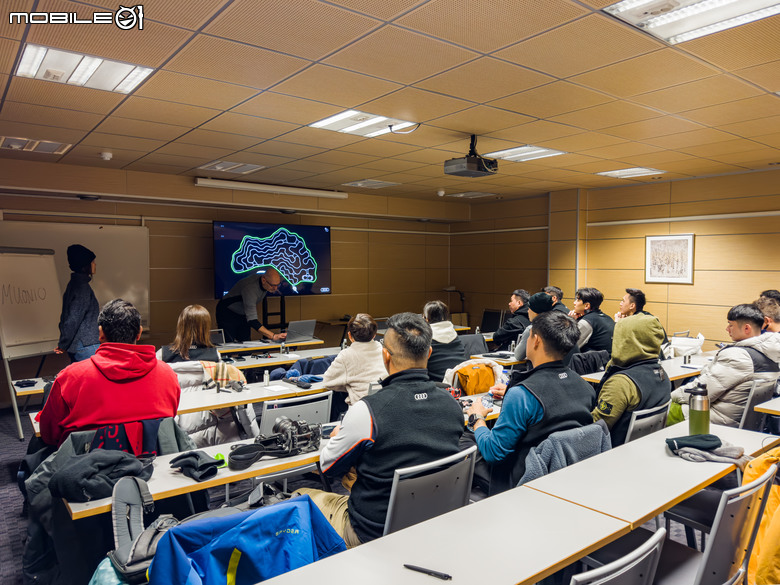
(546, 399)
(409, 421)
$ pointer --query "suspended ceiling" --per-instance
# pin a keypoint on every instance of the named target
(240, 80)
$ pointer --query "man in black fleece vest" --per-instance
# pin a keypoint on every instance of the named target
(409, 421)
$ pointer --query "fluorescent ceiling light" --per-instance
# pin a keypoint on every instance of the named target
(226, 166)
(470, 195)
(77, 69)
(676, 21)
(361, 124)
(370, 184)
(28, 145)
(275, 189)
(524, 153)
(632, 172)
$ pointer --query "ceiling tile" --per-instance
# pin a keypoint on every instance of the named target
(193, 90)
(310, 167)
(286, 149)
(658, 160)
(276, 176)
(276, 106)
(196, 14)
(484, 79)
(194, 151)
(551, 99)
(305, 28)
(703, 167)
(645, 73)
(149, 47)
(140, 129)
(757, 127)
(414, 105)
(698, 94)
(319, 137)
(335, 86)
(753, 159)
(736, 111)
(428, 155)
(90, 155)
(218, 139)
(623, 149)
(174, 160)
(8, 52)
(264, 160)
(652, 128)
(150, 110)
(772, 140)
(342, 158)
(382, 9)
(378, 148)
(44, 93)
(580, 142)
(605, 115)
(534, 132)
(384, 165)
(766, 75)
(39, 132)
(32, 114)
(211, 57)
(718, 148)
(111, 141)
(248, 125)
(15, 30)
(148, 167)
(480, 120)
(689, 138)
(582, 45)
(399, 55)
(751, 44)
(475, 25)
(425, 136)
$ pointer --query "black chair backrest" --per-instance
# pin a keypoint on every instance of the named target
(473, 344)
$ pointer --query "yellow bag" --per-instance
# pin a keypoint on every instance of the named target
(764, 567)
(476, 378)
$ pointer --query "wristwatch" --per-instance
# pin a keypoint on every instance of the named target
(473, 418)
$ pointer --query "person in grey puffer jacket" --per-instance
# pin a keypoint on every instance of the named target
(80, 309)
(730, 375)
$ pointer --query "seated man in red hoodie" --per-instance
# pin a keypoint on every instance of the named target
(123, 382)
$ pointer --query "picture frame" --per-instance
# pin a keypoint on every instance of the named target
(669, 259)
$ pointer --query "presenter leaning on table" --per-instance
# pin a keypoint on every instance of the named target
(80, 309)
(237, 310)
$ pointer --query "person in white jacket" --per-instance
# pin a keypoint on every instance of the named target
(359, 365)
(730, 375)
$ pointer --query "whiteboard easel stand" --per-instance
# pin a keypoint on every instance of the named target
(31, 352)
(28, 338)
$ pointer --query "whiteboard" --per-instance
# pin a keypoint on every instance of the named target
(122, 256)
(30, 304)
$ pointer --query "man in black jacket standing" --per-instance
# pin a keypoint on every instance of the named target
(514, 326)
(409, 421)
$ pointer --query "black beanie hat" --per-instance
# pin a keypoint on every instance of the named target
(540, 303)
(79, 257)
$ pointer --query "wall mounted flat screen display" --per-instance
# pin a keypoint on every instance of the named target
(301, 254)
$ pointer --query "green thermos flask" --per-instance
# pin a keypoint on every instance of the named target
(699, 411)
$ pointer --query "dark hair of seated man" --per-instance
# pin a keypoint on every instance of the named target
(558, 332)
(362, 327)
(120, 322)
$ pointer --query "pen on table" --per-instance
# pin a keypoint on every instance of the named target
(691, 367)
(431, 572)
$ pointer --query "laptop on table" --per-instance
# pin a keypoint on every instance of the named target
(300, 331)
(217, 337)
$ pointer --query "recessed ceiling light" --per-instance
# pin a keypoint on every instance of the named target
(235, 168)
(676, 21)
(361, 124)
(370, 184)
(470, 195)
(632, 172)
(524, 153)
(28, 145)
(48, 64)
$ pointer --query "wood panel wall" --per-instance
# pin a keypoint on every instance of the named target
(503, 248)
(737, 231)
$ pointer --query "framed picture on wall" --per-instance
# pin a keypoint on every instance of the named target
(669, 259)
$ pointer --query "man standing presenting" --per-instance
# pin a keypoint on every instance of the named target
(546, 399)
(510, 331)
(409, 421)
(237, 310)
(123, 382)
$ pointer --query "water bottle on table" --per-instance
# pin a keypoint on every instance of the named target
(699, 411)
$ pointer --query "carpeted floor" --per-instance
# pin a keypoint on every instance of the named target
(13, 525)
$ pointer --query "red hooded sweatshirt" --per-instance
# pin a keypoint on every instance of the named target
(120, 383)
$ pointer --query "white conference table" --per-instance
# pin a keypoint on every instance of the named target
(770, 407)
(167, 482)
(282, 359)
(674, 368)
(212, 400)
(637, 481)
(517, 537)
(255, 345)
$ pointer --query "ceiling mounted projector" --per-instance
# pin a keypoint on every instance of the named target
(471, 165)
